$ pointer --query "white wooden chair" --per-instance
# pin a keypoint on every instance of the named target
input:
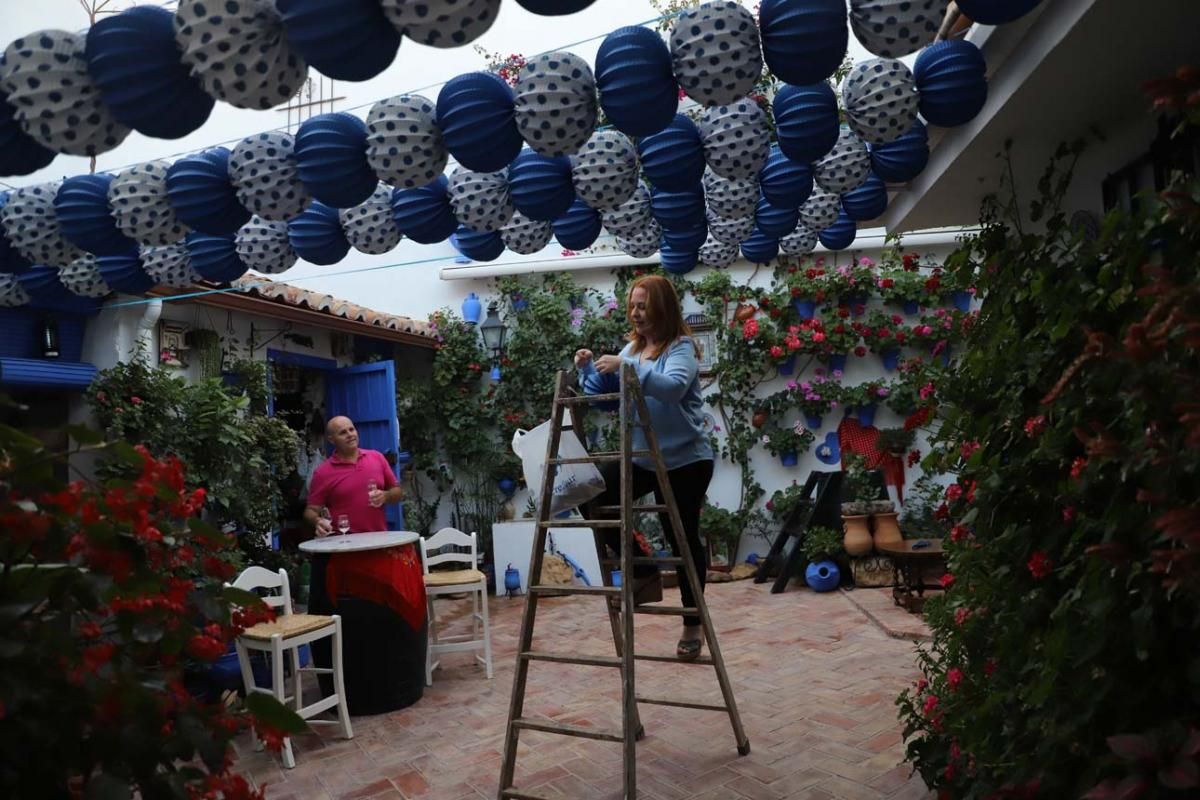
(285, 635)
(443, 582)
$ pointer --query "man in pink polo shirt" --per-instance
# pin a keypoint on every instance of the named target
(341, 483)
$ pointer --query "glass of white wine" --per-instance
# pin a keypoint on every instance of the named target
(343, 524)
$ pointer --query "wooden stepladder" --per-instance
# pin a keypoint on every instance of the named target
(619, 599)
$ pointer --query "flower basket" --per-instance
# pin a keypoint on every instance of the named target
(788, 442)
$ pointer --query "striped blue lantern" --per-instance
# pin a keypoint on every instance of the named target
(84, 218)
(678, 210)
(952, 82)
(330, 153)
(555, 8)
(775, 222)
(686, 238)
(996, 12)
(19, 153)
(199, 190)
(137, 66)
(348, 40)
(638, 92)
(43, 285)
(579, 227)
(803, 42)
(541, 186)
(673, 158)
(760, 248)
(317, 237)
(840, 234)
(215, 258)
(785, 183)
(477, 246)
(904, 159)
(424, 214)
(678, 262)
(867, 201)
(806, 121)
(124, 273)
(476, 113)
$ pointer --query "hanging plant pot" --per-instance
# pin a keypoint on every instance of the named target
(857, 304)
(789, 459)
(912, 307)
(788, 366)
(890, 359)
(472, 309)
(837, 362)
(507, 486)
(744, 311)
(866, 415)
(813, 421)
(759, 419)
(806, 309)
(961, 300)
(822, 576)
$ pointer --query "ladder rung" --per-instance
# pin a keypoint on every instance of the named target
(673, 659)
(589, 398)
(593, 458)
(567, 730)
(666, 701)
(617, 509)
(587, 661)
(580, 523)
(678, 611)
(556, 588)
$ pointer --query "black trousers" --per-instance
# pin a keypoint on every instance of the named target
(689, 484)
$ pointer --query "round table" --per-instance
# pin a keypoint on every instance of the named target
(380, 595)
(909, 564)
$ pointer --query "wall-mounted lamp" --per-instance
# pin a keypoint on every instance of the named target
(50, 348)
(494, 334)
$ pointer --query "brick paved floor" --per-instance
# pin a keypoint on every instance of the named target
(814, 678)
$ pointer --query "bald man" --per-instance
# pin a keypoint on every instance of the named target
(342, 483)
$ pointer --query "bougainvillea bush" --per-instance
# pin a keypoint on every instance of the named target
(1064, 662)
(110, 598)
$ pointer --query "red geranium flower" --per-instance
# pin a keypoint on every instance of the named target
(1039, 565)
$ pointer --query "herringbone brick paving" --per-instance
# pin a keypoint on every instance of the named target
(814, 678)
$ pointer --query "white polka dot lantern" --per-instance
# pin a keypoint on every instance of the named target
(881, 99)
(369, 226)
(263, 246)
(556, 103)
(736, 139)
(262, 169)
(404, 143)
(480, 200)
(846, 166)
(715, 52)
(138, 200)
(32, 226)
(605, 171)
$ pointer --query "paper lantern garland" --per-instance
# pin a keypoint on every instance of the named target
(636, 81)
(785, 183)
(11, 262)
(605, 171)
(201, 195)
(480, 200)
(678, 210)
(56, 102)
(730, 199)
(951, 77)
(316, 235)
(578, 228)
(688, 239)
(82, 277)
(124, 273)
(478, 245)
(12, 293)
(442, 23)
(904, 159)
(715, 253)
(800, 242)
(19, 153)
(895, 28)
(803, 42)
(31, 226)
(170, 265)
(263, 171)
(881, 99)
(138, 200)
(673, 158)
(331, 159)
(736, 139)
(867, 201)
(541, 186)
(775, 222)
(846, 166)
(715, 52)
(263, 246)
(81, 206)
(555, 106)
(369, 226)
(821, 209)
(555, 7)
(840, 234)
(631, 216)
(215, 258)
(404, 143)
(475, 114)
(640, 244)
(424, 214)
(240, 55)
(806, 121)
(760, 248)
(348, 40)
(678, 262)
(44, 286)
(526, 236)
(730, 231)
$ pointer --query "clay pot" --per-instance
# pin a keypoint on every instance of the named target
(744, 311)
(759, 419)
(887, 531)
(857, 540)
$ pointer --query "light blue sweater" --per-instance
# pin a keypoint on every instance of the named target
(671, 385)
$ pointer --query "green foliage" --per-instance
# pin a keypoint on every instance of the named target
(820, 543)
(793, 438)
(721, 528)
(895, 440)
(1064, 659)
(784, 501)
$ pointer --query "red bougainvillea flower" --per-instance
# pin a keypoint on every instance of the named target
(1039, 565)
(749, 329)
(1068, 513)
(931, 704)
(954, 678)
(961, 616)
(968, 449)
(953, 492)
(1078, 466)
(947, 580)
(914, 457)
(959, 533)
(1034, 426)
(860, 351)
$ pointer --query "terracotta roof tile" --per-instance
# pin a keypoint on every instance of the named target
(327, 303)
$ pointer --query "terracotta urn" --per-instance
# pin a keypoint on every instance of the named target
(759, 419)
(887, 530)
(744, 311)
(857, 540)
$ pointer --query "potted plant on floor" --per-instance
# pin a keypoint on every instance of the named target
(859, 493)
(719, 528)
(826, 556)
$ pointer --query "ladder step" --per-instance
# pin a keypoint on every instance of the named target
(567, 730)
(588, 398)
(595, 458)
(554, 588)
(666, 701)
(678, 611)
(580, 523)
(587, 661)
(673, 659)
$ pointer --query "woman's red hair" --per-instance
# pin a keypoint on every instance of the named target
(665, 313)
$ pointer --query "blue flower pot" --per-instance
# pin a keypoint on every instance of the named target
(813, 421)
(891, 359)
(789, 459)
(822, 576)
(512, 579)
(961, 300)
(807, 309)
(788, 366)
(837, 361)
(857, 304)
(912, 307)
(471, 309)
(520, 304)
(507, 486)
(866, 415)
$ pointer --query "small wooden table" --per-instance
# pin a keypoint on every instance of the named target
(909, 565)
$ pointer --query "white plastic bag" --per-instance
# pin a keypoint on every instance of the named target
(574, 484)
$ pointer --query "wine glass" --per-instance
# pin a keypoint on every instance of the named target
(371, 487)
(343, 524)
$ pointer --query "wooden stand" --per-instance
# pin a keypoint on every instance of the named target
(820, 504)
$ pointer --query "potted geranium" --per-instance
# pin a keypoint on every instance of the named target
(865, 399)
(788, 442)
(807, 286)
(720, 530)
(904, 289)
(815, 398)
(852, 283)
(785, 501)
(884, 334)
(839, 339)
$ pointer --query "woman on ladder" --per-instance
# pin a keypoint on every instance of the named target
(665, 358)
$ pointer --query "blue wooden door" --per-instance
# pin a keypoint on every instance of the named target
(366, 393)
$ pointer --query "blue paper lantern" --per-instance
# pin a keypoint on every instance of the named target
(19, 153)
(673, 158)
(555, 8)
(43, 286)
(904, 159)
(760, 248)
(137, 66)
(678, 262)
(803, 42)
(540, 186)
(424, 214)
(579, 227)
(199, 190)
(996, 12)
(785, 183)
(840, 234)
(476, 114)
(637, 86)
(124, 273)
(348, 40)
(215, 258)
(867, 201)
(84, 218)
(775, 222)
(678, 210)
(477, 246)
(806, 121)
(316, 235)
(690, 239)
(951, 79)
(330, 152)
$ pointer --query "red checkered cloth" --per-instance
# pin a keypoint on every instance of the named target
(854, 439)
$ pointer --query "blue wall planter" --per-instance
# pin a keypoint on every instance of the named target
(805, 308)
(961, 300)
(512, 580)
(891, 359)
(866, 415)
(471, 309)
(822, 576)
(789, 459)
(912, 307)
(813, 421)
(788, 366)
(837, 361)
